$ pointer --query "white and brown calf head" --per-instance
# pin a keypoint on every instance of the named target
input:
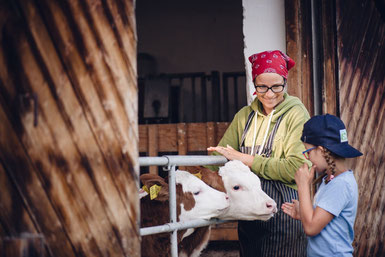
(247, 199)
(195, 199)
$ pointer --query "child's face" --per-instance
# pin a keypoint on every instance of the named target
(316, 157)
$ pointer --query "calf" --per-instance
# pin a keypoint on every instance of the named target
(195, 200)
(247, 201)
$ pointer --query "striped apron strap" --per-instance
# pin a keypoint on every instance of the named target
(268, 147)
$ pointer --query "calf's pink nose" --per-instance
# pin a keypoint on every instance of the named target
(271, 206)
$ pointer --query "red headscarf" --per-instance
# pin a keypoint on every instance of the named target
(271, 62)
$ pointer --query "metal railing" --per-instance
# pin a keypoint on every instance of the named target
(170, 163)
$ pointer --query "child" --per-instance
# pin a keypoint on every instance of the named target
(329, 224)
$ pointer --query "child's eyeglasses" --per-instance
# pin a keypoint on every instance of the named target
(306, 153)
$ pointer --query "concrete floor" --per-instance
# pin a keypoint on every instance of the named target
(221, 249)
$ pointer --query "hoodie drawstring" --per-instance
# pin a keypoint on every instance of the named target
(255, 133)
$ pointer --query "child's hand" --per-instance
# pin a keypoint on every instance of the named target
(303, 176)
(292, 209)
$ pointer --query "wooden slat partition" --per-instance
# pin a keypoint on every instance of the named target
(181, 137)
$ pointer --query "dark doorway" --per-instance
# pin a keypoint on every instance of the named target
(190, 60)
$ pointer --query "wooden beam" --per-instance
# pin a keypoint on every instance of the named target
(299, 48)
(153, 143)
(329, 76)
(182, 140)
(211, 134)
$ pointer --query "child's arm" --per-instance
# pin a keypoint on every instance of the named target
(313, 221)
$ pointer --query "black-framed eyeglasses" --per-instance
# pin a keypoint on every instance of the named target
(274, 88)
(306, 153)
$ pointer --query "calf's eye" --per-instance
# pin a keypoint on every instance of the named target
(196, 193)
(236, 187)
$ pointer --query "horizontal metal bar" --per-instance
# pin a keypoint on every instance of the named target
(170, 227)
(153, 161)
(182, 160)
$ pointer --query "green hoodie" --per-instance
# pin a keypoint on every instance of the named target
(286, 156)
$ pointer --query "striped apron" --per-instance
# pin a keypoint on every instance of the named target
(281, 235)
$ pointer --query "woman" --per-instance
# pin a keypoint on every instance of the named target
(266, 137)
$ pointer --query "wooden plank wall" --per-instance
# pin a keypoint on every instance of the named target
(180, 138)
(361, 62)
(68, 130)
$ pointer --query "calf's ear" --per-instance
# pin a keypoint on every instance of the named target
(152, 181)
(213, 179)
(147, 176)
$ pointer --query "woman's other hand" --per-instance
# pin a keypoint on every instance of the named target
(232, 154)
(292, 209)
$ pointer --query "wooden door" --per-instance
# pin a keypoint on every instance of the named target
(361, 65)
(68, 130)
(350, 37)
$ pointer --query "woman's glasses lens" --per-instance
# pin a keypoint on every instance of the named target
(274, 89)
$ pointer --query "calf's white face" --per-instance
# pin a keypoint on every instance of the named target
(209, 202)
(247, 199)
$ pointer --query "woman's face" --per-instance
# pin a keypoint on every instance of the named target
(269, 99)
(316, 157)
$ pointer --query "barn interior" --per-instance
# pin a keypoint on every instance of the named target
(187, 52)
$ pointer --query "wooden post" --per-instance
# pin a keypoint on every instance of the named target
(153, 145)
(298, 45)
(182, 140)
(329, 57)
(211, 134)
(216, 92)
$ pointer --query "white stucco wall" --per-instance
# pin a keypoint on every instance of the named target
(263, 29)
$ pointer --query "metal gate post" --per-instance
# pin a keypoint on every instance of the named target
(173, 217)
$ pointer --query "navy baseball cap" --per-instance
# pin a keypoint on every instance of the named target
(330, 132)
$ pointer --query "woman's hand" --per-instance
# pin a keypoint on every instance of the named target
(228, 152)
(303, 177)
(292, 209)
(232, 154)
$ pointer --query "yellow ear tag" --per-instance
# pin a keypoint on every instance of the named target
(154, 191)
(198, 175)
(146, 189)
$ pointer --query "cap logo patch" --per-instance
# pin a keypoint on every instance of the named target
(343, 135)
